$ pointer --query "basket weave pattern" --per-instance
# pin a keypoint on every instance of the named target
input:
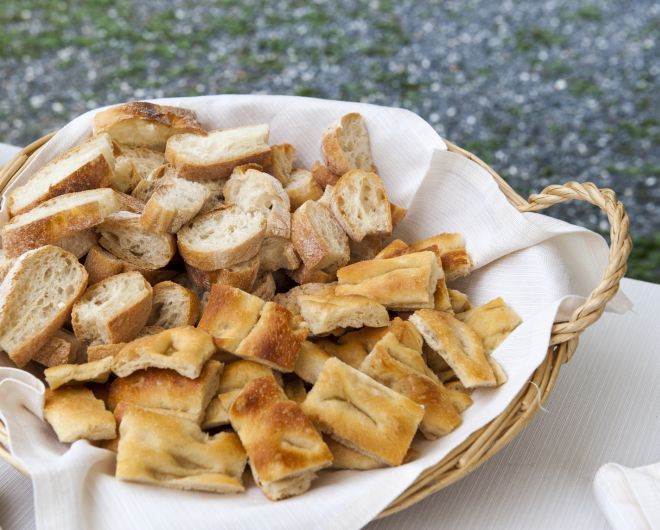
(487, 441)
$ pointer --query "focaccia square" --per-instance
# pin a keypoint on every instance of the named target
(410, 357)
(492, 321)
(363, 414)
(184, 350)
(326, 312)
(67, 374)
(75, 414)
(283, 446)
(310, 361)
(172, 451)
(457, 344)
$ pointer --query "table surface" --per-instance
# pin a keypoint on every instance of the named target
(604, 408)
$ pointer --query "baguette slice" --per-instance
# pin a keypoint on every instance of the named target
(216, 196)
(173, 306)
(123, 235)
(101, 264)
(133, 165)
(281, 163)
(62, 348)
(215, 155)
(36, 298)
(302, 188)
(221, 238)
(345, 145)
(87, 166)
(360, 204)
(242, 275)
(113, 310)
(278, 253)
(140, 123)
(58, 218)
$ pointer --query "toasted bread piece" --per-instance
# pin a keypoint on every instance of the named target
(324, 312)
(123, 235)
(78, 243)
(252, 189)
(302, 188)
(71, 374)
(133, 165)
(242, 275)
(323, 176)
(264, 286)
(101, 264)
(278, 253)
(398, 214)
(345, 145)
(222, 238)
(173, 306)
(36, 298)
(459, 301)
(281, 163)
(360, 204)
(318, 238)
(144, 189)
(58, 218)
(493, 322)
(393, 249)
(303, 275)
(215, 155)
(348, 353)
(84, 167)
(456, 261)
(62, 348)
(100, 351)
(144, 124)
(175, 202)
(113, 310)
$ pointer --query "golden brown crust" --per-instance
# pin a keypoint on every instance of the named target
(242, 275)
(281, 163)
(309, 364)
(100, 351)
(304, 274)
(323, 176)
(239, 373)
(325, 312)
(398, 214)
(62, 348)
(459, 301)
(100, 264)
(493, 322)
(393, 249)
(173, 306)
(69, 374)
(456, 261)
(344, 457)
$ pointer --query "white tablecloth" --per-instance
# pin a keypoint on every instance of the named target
(604, 408)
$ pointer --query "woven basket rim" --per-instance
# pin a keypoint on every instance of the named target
(490, 439)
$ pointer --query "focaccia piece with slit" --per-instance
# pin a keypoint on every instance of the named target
(326, 312)
(493, 322)
(67, 374)
(362, 413)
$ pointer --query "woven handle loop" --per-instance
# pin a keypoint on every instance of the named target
(566, 333)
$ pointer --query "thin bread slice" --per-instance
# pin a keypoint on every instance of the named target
(173, 306)
(57, 218)
(360, 204)
(398, 214)
(346, 458)
(281, 163)
(345, 145)
(146, 187)
(122, 234)
(36, 298)
(62, 348)
(215, 155)
(71, 374)
(302, 188)
(144, 124)
(323, 176)
(222, 238)
(78, 243)
(318, 238)
(113, 310)
(84, 167)
(242, 275)
(459, 301)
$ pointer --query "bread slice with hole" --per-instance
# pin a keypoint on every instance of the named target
(345, 145)
(113, 310)
(360, 204)
(122, 235)
(84, 167)
(57, 218)
(143, 124)
(221, 238)
(302, 188)
(36, 298)
(215, 155)
(173, 305)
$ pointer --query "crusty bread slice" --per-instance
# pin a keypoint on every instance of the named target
(62, 348)
(123, 235)
(144, 124)
(173, 306)
(302, 188)
(345, 145)
(133, 165)
(175, 202)
(78, 243)
(215, 155)
(304, 274)
(252, 189)
(242, 275)
(278, 253)
(101, 264)
(360, 204)
(318, 238)
(221, 238)
(5, 264)
(36, 298)
(57, 218)
(325, 312)
(281, 163)
(113, 310)
(87, 166)
(144, 189)
(323, 176)
(216, 195)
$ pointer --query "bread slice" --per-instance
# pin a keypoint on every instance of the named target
(323, 176)
(5, 265)
(113, 310)
(281, 163)
(36, 298)
(242, 275)
(78, 243)
(145, 188)
(252, 189)
(278, 253)
(304, 274)
(144, 124)
(360, 204)
(87, 166)
(122, 234)
(173, 306)
(216, 195)
(62, 348)
(302, 188)
(101, 264)
(58, 218)
(318, 238)
(215, 155)
(221, 238)
(175, 202)
(133, 165)
(325, 312)
(345, 145)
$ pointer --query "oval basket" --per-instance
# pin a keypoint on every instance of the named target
(487, 441)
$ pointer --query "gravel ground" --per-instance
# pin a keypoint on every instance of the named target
(545, 91)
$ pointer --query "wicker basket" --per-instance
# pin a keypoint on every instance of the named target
(487, 441)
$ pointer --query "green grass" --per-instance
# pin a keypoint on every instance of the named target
(644, 262)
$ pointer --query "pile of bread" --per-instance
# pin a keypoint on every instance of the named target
(200, 303)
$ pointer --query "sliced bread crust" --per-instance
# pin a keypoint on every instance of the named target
(345, 145)
(173, 306)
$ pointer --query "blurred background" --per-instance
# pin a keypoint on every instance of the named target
(544, 91)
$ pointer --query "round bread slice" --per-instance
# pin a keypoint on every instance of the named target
(222, 238)
(173, 306)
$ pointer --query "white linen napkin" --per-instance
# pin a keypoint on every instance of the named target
(539, 265)
(629, 497)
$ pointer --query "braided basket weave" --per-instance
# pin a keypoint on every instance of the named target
(487, 441)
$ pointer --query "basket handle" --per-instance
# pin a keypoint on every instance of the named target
(565, 334)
